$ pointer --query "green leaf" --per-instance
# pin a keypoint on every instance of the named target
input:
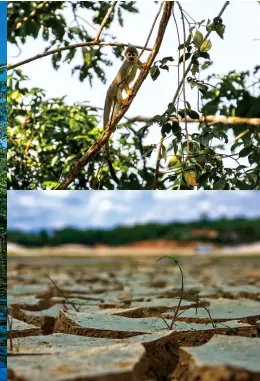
(164, 153)
(198, 39)
(187, 42)
(205, 139)
(240, 167)
(193, 114)
(220, 184)
(188, 105)
(245, 151)
(220, 30)
(234, 146)
(166, 129)
(54, 161)
(154, 72)
(148, 150)
(185, 57)
(171, 109)
(205, 46)
(166, 59)
(211, 107)
(142, 130)
(195, 69)
(50, 184)
(204, 55)
(175, 146)
(158, 118)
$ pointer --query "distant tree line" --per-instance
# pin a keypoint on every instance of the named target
(227, 231)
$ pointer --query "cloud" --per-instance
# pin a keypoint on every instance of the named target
(34, 210)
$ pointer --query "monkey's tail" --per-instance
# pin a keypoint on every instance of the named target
(110, 166)
(106, 119)
(106, 112)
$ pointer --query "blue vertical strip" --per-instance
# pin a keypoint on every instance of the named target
(3, 192)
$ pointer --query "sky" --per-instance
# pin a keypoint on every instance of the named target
(35, 210)
(238, 51)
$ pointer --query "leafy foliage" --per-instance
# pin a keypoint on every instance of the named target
(50, 22)
(45, 138)
(46, 135)
(231, 97)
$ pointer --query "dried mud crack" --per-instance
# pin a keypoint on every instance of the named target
(99, 327)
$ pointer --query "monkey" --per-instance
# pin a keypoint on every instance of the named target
(114, 97)
(124, 77)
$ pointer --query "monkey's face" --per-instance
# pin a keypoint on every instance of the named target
(131, 54)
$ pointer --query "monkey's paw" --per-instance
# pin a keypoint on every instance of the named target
(144, 65)
(125, 101)
(129, 91)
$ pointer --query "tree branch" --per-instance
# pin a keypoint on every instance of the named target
(69, 47)
(110, 10)
(209, 119)
(110, 129)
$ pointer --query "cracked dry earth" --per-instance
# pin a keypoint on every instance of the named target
(106, 319)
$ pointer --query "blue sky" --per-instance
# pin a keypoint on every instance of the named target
(3, 32)
(33, 210)
(238, 51)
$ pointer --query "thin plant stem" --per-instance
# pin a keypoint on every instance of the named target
(62, 294)
(182, 288)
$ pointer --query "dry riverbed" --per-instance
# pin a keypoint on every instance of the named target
(109, 319)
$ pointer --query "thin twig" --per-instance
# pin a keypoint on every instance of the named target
(241, 135)
(151, 30)
(157, 167)
(179, 53)
(25, 19)
(97, 145)
(183, 86)
(110, 10)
